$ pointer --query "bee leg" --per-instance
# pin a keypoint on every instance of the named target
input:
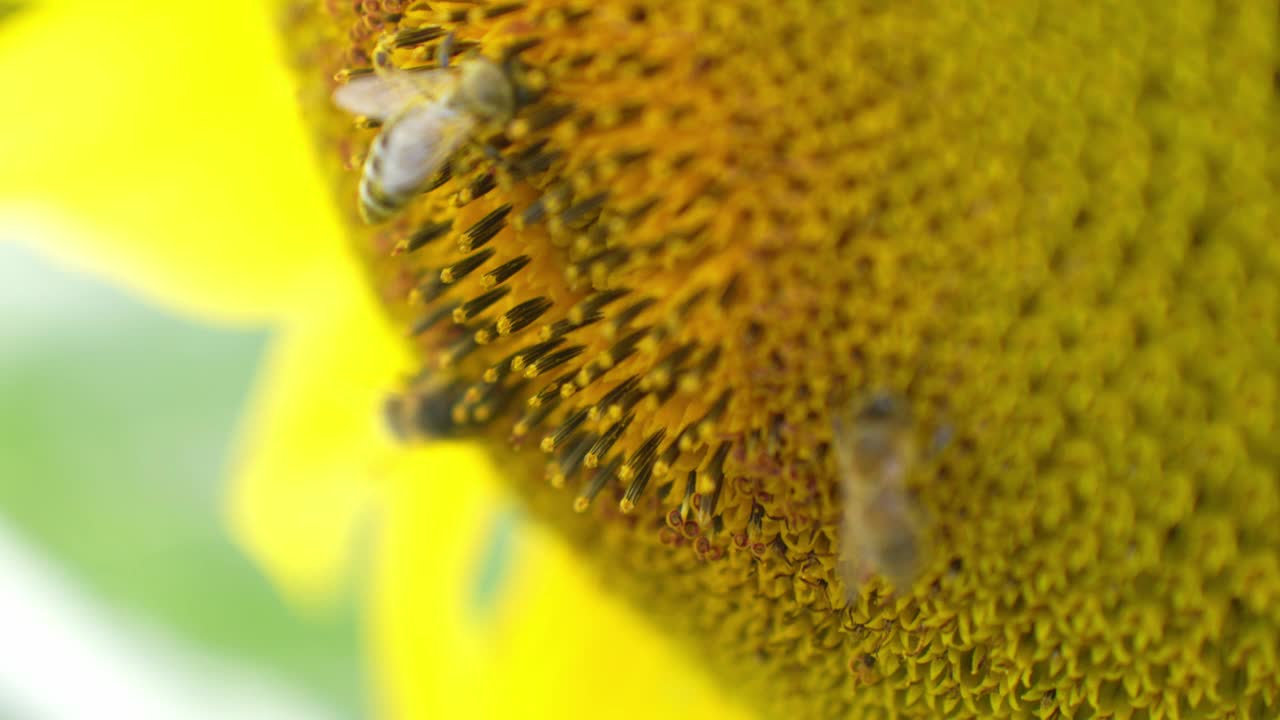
(445, 51)
(940, 439)
(496, 157)
(381, 57)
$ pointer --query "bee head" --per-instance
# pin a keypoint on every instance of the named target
(883, 406)
(485, 90)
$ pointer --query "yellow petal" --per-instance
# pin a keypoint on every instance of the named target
(170, 131)
(554, 644)
(313, 450)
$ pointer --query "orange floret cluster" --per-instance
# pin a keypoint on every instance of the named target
(1050, 227)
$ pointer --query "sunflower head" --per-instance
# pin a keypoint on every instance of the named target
(706, 229)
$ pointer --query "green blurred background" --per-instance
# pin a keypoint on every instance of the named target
(115, 424)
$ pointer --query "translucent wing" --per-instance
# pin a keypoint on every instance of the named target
(416, 143)
(378, 97)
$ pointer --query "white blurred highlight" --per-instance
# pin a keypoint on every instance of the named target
(65, 657)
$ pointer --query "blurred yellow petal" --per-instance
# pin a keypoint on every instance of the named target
(553, 644)
(312, 446)
(171, 131)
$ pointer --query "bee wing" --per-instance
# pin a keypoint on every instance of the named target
(378, 97)
(418, 141)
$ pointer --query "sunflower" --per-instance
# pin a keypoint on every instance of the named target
(1038, 236)
(1035, 240)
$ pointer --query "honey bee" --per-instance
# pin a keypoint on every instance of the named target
(883, 530)
(426, 411)
(426, 116)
